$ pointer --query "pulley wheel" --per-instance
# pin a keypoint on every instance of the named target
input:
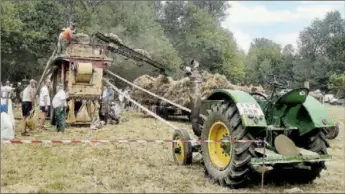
(285, 146)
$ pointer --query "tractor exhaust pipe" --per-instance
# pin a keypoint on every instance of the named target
(195, 96)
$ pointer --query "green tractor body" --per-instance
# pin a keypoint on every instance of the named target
(295, 110)
(293, 125)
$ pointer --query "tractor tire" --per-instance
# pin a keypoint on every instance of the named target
(316, 142)
(333, 132)
(232, 170)
(185, 155)
(162, 112)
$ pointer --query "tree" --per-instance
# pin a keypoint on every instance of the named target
(264, 57)
(196, 35)
(217, 9)
(320, 45)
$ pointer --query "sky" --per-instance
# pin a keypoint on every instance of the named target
(280, 21)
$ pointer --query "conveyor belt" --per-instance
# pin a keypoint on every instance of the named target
(132, 54)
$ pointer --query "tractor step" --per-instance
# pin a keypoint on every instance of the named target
(272, 157)
(272, 128)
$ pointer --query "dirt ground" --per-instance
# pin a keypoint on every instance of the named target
(130, 168)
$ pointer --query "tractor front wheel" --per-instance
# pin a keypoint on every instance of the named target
(182, 148)
(226, 163)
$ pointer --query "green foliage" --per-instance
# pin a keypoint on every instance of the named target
(322, 49)
(173, 33)
(263, 58)
(195, 35)
(337, 81)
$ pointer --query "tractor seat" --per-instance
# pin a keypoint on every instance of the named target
(294, 97)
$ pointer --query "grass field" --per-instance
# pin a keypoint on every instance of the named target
(130, 168)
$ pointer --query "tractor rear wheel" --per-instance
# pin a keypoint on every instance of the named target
(182, 149)
(226, 163)
(316, 143)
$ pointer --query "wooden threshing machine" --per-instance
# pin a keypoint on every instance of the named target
(80, 69)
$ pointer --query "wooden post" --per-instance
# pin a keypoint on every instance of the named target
(46, 69)
(306, 84)
(54, 81)
(63, 75)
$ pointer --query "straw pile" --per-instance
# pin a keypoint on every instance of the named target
(178, 91)
(214, 81)
(82, 38)
(114, 37)
(143, 52)
(146, 82)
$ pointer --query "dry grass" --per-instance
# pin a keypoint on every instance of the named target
(128, 168)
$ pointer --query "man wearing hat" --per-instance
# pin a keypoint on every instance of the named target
(65, 37)
(59, 101)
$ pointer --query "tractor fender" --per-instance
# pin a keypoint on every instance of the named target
(317, 113)
(249, 109)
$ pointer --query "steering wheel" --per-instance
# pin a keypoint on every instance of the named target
(276, 81)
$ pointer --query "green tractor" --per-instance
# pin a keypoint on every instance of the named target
(293, 125)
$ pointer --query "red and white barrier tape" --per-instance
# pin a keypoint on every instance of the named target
(119, 141)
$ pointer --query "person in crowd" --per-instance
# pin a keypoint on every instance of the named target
(106, 97)
(28, 102)
(128, 104)
(121, 99)
(59, 102)
(6, 99)
(17, 92)
(44, 101)
(115, 112)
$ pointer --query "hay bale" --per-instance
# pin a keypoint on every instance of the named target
(258, 89)
(159, 86)
(179, 92)
(146, 82)
(114, 37)
(82, 38)
(143, 52)
(246, 88)
(214, 81)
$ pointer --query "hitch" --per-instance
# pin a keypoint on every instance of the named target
(195, 96)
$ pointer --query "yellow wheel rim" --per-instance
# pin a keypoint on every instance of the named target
(179, 145)
(217, 153)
